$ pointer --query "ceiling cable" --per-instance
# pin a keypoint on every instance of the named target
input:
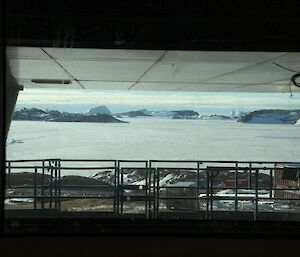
(293, 78)
(150, 68)
(65, 70)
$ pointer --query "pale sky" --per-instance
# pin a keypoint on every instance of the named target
(156, 98)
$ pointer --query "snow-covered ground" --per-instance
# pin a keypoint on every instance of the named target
(150, 138)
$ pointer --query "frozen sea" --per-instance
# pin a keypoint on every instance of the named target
(152, 138)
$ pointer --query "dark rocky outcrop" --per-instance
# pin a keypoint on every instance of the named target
(34, 114)
(214, 117)
(185, 114)
(133, 114)
(271, 116)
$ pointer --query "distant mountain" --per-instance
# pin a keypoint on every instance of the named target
(185, 114)
(35, 114)
(271, 116)
(182, 114)
(29, 114)
(137, 177)
(27, 178)
(102, 109)
(214, 117)
(133, 114)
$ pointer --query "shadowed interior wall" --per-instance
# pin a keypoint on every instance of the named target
(12, 91)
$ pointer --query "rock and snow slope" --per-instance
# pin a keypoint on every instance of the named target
(272, 116)
(35, 114)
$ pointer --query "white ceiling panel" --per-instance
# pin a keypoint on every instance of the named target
(289, 59)
(278, 87)
(210, 87)
(37, 69)
(155, 70)
(282, 88)
(106, 85)
(259, 74)
(107, 70)
(159, 86)
(25, 53)
(189, 71)
(220, 56)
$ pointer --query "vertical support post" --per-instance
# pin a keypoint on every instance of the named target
(250, 176)
(256, 194)
(59, 185)
(122, 190)
(211, 194)
(154, 192)
(43, 186)
(207, 192)
(118, 187)
(55, 183)
(35, 189)
(236, 187)
(146, 191)
(271, 183)
(157, 194)
(198, 185)
(9, 175)
(115, 188)
(150, 192)
(51, 185)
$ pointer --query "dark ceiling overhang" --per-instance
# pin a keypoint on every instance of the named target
(255, 25)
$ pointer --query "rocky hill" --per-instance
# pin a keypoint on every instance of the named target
(35, 114)
(182, 114)
(102, 109)
(271, 116)
(214, 117)
(185, 114)
(134, 114)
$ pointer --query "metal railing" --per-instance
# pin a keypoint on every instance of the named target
(152, 189)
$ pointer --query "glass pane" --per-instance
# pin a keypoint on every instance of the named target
(151, 134)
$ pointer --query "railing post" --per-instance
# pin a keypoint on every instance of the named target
(256, 194)
(157, 194)
(211, 193)
(9, 175)
(146, 191)
(55, 183)
(35, 189)
(150, 191)
(154, 192)
(122, 190)
(207, 192)
(51, 185)
(236, 187)
(115, 189)
(198, 185)
(250, 176)
(59, 186)
(43, 184)
(271, 183)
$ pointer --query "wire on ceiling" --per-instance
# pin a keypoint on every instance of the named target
(293, 78)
